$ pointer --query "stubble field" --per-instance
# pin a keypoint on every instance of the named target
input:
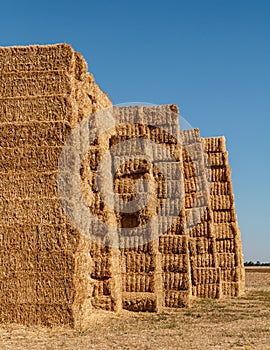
(237, 323)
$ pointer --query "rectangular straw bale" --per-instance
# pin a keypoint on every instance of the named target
(177, 299)
(38, 109)
(171, 208)
(135, 244)
(170, 244)
(36, 58)
(231, 289)
(18, 289)
(219, 174)
(171, 225)
(125, 165)
(53, 290)
(190, 136)
(28, 185)
(34, 134)
(137, 263)
(35, 84)
(159, 115)
(226, 260)
(205, 260)
(164, 134)
(195, 200)
(211, 291)
(177, 263)
(18, 238)
(103, 302)
(214, 144)
(170, 170)
(176, 281)
(203, 276)
(27, 158)
(220, 188)
(167, 152)
(195, 184)
(60, 263)
(17, 262)
(43, 212)
(225, 245)
(197, 215)
(202, 229)
(222, 202)
(138, 282)
(194, 169)
(230, 275)
(140, 302)
(102, 266)
(225, 230)
(218, 159)
(224, 216)
(170, 189)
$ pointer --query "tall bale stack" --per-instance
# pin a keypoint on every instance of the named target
(228, 242)
(205, 272)
(45, 263)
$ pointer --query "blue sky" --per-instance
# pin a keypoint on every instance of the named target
(212, 58)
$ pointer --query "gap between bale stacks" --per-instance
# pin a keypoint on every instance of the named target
(53, 274)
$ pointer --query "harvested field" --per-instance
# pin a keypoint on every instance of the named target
(236, 323)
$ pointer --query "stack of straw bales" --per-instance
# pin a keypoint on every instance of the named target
(228, 242)
(45, 263)
(184, 240)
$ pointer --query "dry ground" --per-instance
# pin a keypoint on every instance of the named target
(242, 323)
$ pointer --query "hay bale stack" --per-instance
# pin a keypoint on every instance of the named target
(205, 273)
(44, 92)
(228, 241)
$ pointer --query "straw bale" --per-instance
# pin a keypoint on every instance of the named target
(104, 303)
(232, 289)
(222, 202)
(203, 276)
(176, 281)
(177, 299)
(195, 184)
(202, 229)
(214, 144)
(190, 136)
(170, 170)
(138, 282)
(166, 134)
(170, 244)
(172, 225)
(28, 185)
(126, 166)
(34, 134)
(137, 263)
(221, 188)
(226, 260)
(225, 230)
(137, 243)
(197, 215)
(140, 302)
(167, 152)
(211, 291)
(36, 58)
(225, 245)
(218, 159)
(26, 158)
(36, 109)
(171, 208)
(219, 174)
(195, 200)
(35, 84)
(175, 263)
(224, 216)
(170, 189)
(159, 115)
(205, 260)
(231, 275)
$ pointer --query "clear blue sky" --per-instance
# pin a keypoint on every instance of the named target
(212, 58)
